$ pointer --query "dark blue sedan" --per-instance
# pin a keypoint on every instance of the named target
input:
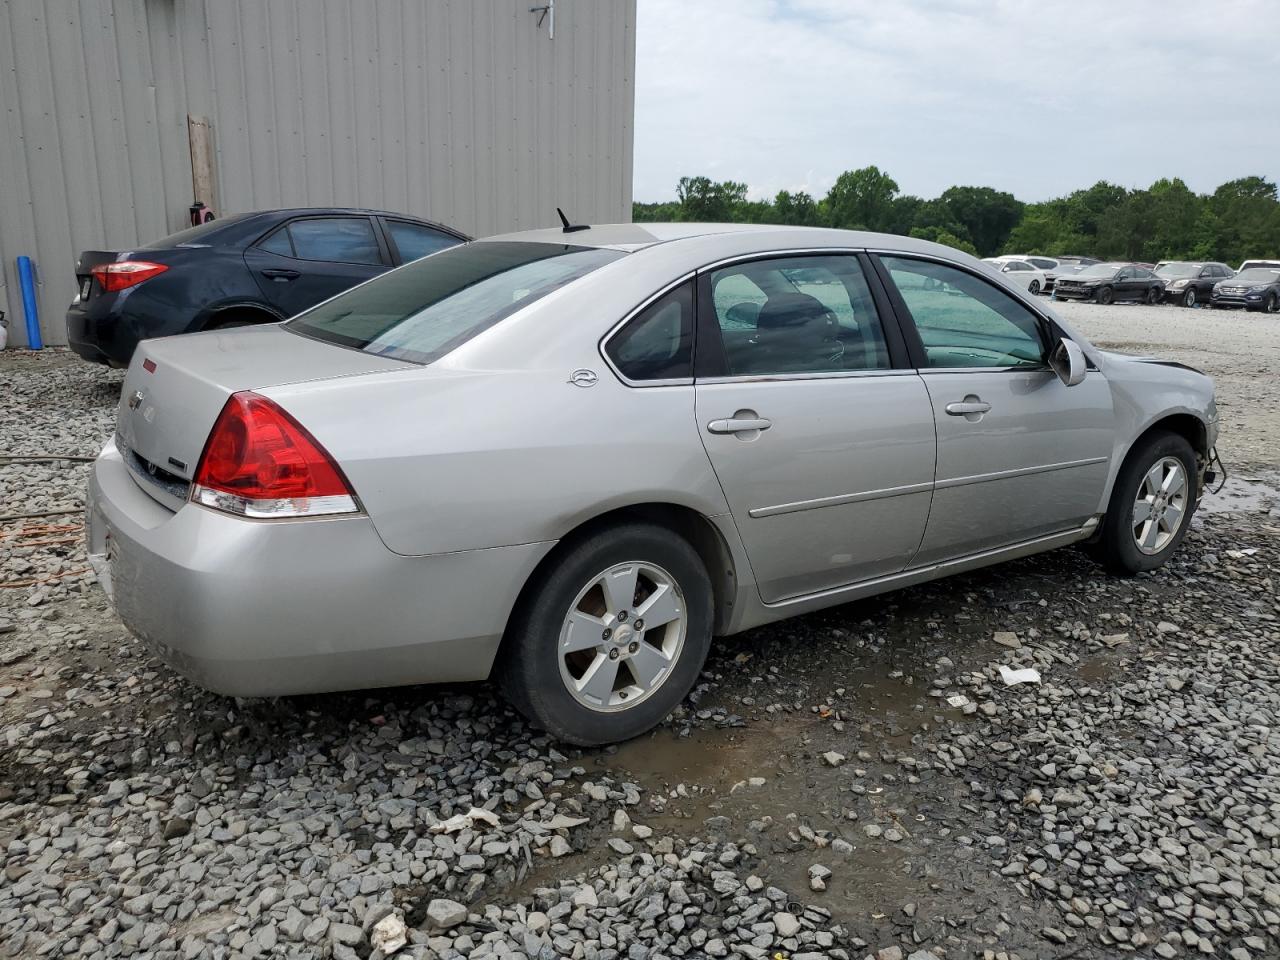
(244, 269)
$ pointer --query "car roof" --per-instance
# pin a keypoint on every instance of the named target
(732, 237)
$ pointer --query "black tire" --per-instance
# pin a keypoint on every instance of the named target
(1189, 298)
(1273, 303)
(1115, 548)
(1034, 289)
(529, 671)
(1154, 295)
(1105, 296)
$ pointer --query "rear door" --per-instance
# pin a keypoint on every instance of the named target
(819, 431)
(1020, 455)
(311, 259)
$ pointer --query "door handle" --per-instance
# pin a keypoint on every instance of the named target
(967, 406)
(739, 425)
(275, 273)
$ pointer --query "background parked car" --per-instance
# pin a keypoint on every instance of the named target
(251, 268)
(1020, 272)
(1189, 282)
(1109, 282)
(1255, 289)
(1250, 264)
(1047, 265)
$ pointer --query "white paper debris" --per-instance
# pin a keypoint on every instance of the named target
(460, 821)
(1012, 677)
(389, 934)
(958, 701)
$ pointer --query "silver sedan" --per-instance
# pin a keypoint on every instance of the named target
(570, 459)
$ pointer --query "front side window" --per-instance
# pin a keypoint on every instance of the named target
(657, 343)
(338, 239)
(796, 315)
(430, 307)
(414, 241)
(964, 321)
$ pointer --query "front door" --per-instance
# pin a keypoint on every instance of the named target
(820, 433)
(314, 258)
(1020, 455)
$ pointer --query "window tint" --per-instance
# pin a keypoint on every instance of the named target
(414, 241)
(428, 308)
(964, 321)
(1043, 264)
(343, 239)
(797, 315)
(278, 242)
(658, 342)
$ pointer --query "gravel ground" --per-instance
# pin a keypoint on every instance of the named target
(854, 783)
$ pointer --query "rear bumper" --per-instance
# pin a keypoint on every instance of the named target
(267, 608)
(96, 333)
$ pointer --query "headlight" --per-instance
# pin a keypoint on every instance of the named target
(1178, 284)
(1257, 289)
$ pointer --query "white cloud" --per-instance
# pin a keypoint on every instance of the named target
(1034, 98)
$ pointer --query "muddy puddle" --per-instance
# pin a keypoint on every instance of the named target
(1245, 493)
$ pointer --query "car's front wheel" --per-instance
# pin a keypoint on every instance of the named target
(612, 637)
(1151, 505)
(1273, 303)
(1189, 298)
(1105, 295)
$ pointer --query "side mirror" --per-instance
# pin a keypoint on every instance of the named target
(1068, 362)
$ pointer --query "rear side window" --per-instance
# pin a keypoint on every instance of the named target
(964, 321)
(657, 344)
(278, 242)
(340, 239)
(414, 241)
(428, 308)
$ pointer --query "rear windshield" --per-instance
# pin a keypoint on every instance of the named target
(194, 235)
(430, 307)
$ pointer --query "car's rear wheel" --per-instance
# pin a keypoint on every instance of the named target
(613, 636)
(1151, 505)
(1154, 295)
(1189, 298)
(1034, 289)
(1105, 295)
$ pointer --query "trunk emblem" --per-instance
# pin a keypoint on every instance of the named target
(583, 378)
(135, 400)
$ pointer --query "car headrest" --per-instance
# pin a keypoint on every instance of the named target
(788, 310)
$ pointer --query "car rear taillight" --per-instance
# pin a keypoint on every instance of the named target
(127, 273)
(260, 462)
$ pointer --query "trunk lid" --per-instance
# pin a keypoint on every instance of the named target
(177, 386)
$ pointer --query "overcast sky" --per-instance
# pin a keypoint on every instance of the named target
(1037, 98)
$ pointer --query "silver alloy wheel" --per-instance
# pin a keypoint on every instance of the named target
(622, 636)
(1160, 506)
(1189, 298)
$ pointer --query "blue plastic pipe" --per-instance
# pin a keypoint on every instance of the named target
(27, 279)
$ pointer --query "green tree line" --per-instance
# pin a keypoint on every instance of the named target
(1166, 221)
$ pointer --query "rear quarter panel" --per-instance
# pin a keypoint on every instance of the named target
(453, 460)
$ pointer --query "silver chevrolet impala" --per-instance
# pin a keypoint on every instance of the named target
(571, 458)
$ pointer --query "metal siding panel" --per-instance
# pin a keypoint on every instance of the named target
(465, 112)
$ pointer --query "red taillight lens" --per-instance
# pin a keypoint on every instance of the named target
(260, 462)
(127, 273)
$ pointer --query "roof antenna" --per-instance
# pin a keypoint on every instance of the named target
(571, 227)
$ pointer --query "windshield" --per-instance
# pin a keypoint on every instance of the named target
(432, 306)
(1178, 270)
(1102, 270)
(1258, 275)
(193, 235)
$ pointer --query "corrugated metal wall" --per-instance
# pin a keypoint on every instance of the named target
(462, 111)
